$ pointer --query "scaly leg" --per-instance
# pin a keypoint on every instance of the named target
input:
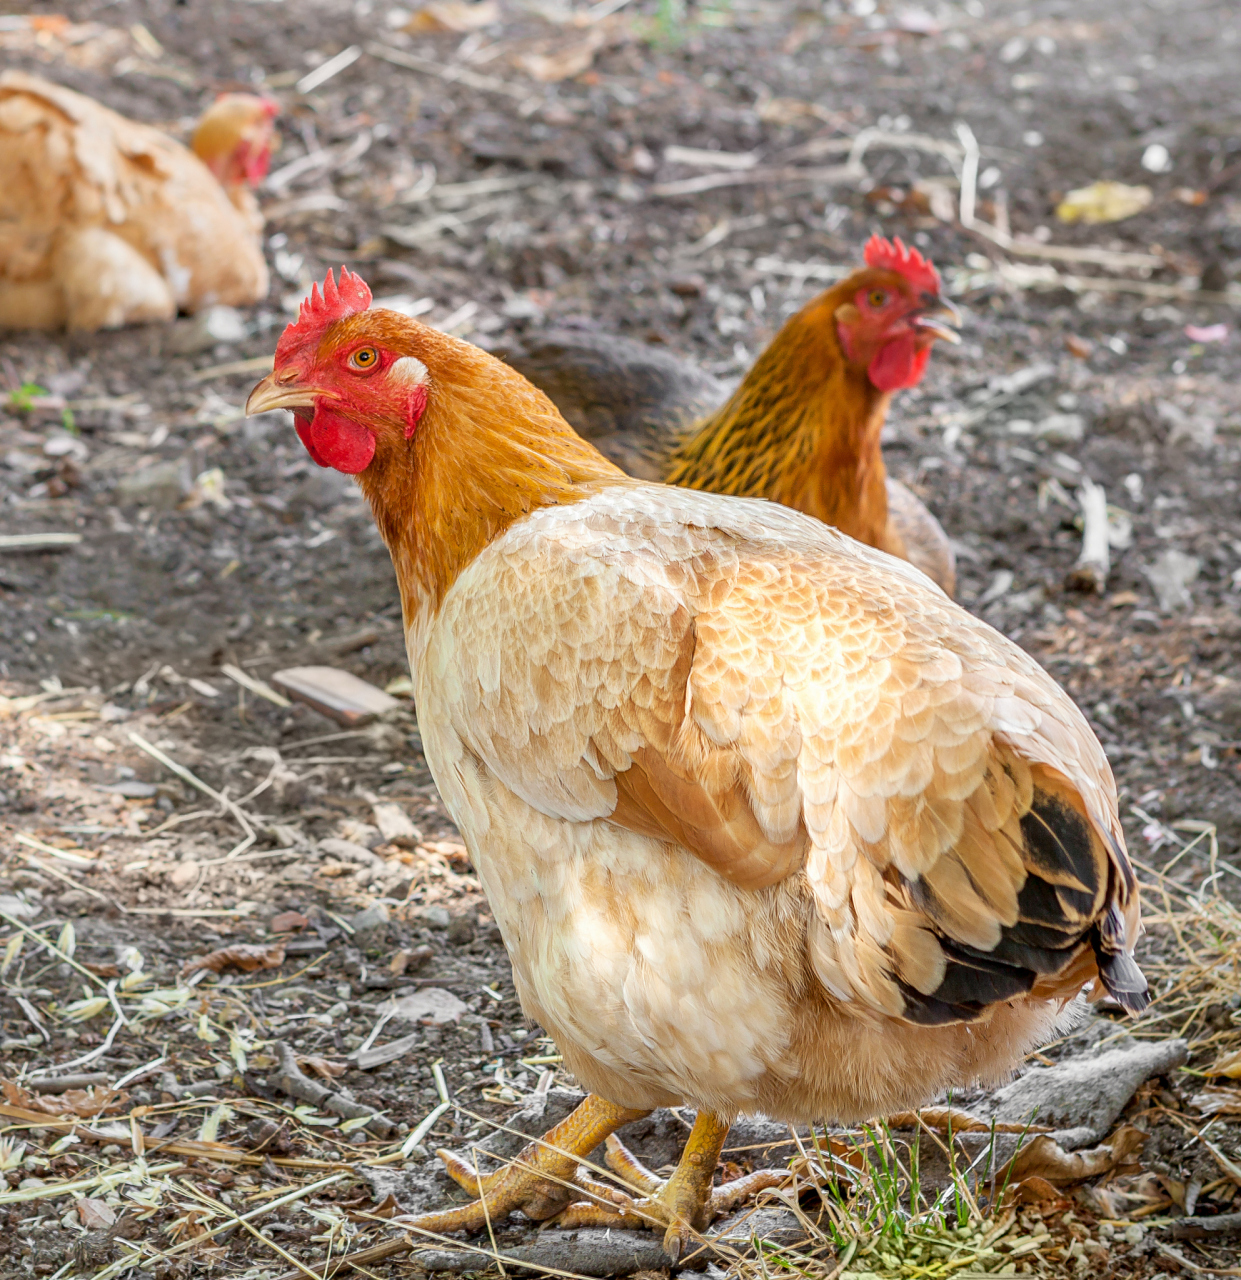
(685, 1204)
(540, 1181)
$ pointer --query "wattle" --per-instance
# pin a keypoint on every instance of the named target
(333, 440)
(898, 364)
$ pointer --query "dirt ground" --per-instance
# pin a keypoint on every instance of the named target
(505, 179)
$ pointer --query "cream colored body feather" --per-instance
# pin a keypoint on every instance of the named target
(106, 222)
(845, 758)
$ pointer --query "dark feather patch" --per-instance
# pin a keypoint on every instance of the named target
(1058, 840)
(1058, 908)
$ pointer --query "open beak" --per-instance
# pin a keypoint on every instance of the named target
(281, 390)
(942, 319)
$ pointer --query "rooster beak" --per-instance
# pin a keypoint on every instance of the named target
(281, 390)
(942, 319)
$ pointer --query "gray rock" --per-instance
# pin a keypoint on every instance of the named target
(1087, 1093)
(160, 486)
(1170, 576)
(370, 927)
(585, 1253)
(207, 329)
(1062, 428)
(347, 851)
(435, 917)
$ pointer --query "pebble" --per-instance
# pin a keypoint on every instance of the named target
(436, 917)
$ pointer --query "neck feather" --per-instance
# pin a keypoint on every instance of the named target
(489, 450)
(802, 430)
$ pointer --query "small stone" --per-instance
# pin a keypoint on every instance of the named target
(461, 930)
(161, 486)
(207, 329)
(436, 917)
(1062, 428)
(370, 926)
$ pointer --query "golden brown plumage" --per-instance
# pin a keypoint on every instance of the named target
(767, 823)
(106, 222)
(802, 429)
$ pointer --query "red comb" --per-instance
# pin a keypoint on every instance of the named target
(320, 310)
(893, 255)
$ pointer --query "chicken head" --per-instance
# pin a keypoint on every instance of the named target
(341, 384)
(894, 316)
(235, 138)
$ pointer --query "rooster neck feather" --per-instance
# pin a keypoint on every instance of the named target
(802, 429)
(489, 449)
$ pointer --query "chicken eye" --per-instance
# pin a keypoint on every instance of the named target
(878, 299)
(364, 358)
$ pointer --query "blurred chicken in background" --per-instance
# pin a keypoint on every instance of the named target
(106, 222)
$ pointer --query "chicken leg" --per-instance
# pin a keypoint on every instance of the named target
(686, 1203)
(541, 1180)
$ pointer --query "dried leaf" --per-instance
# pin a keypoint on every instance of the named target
(324, 1067)
(1228, 1064)
(1046, 1159)
(246, 956)
(563, 63)
(68, 940)
(78, 1102)
(95, 1215)
(453, 15)
(85, 1010)
(1103, 202)
(287, 922)
(1037, 1191)
(1217, 1102)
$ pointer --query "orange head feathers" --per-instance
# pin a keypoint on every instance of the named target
(449, 444)
(235, 138)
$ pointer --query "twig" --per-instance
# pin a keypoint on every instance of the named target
(1094, 563)
(73, 859)
(94, 1053)
(54, 949)
(60, 875)
(32, 1016)
(325, 71)
(182, 772)
(452, 73)
(1195, 1228)
(753, 177)
(247, 681)
(969, 173)
(39, 541)
(290, 1080)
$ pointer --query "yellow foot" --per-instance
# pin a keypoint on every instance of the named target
(540, 1181)
(683, 1206)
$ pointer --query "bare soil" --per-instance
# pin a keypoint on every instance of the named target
(509, 202)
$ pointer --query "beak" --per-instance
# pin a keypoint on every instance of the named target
(942, 319)
(281, 390)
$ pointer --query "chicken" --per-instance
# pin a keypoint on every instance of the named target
(105, 222)
(767, 823)
(803, 427)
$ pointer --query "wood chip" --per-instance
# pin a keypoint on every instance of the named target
(337, 694)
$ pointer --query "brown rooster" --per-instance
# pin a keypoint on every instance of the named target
(106, 222)
(767, 822)
(803, 427)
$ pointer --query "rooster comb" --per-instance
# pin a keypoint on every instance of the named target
(908, 262)
(319, 310)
